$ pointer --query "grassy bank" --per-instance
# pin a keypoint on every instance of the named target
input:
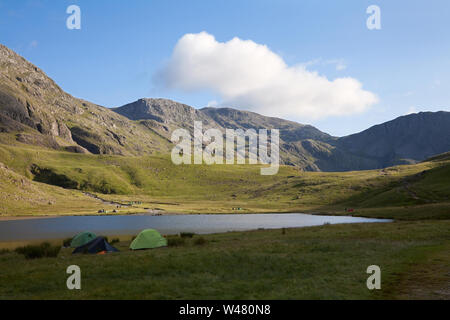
(327, 262)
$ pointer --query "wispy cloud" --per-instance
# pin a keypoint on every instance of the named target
(339, 63)
(33, 44)
(212, 103)
(411, 110)
(408, 94)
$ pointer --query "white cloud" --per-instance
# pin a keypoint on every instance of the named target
(212, 103)
(339, 63)
(250, 76)
(411, 110)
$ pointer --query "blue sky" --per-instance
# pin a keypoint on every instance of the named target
(112, 60)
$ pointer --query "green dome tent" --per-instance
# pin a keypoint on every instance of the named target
(81, 239)
(148, 239)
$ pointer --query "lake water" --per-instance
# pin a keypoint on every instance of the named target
(65, 227)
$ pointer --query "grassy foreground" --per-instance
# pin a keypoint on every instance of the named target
(327, 262)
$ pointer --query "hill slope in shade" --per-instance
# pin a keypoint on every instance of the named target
(414, 137)
(19, 195)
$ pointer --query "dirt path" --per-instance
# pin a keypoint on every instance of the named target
(429, 280)
(106, 201)
(114, 203)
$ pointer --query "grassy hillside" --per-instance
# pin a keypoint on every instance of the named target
(159, 184)
(19, 195)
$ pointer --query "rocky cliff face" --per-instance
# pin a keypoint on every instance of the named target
(164, 116)
(408, 139)
(37, 111)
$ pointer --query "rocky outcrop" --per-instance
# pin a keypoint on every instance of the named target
(163, 116)
(32, 102)
(408, 139)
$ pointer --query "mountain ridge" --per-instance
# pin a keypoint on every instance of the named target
(416, 136)
(34, 110)
(306, 146)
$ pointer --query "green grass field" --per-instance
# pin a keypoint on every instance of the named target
(327, 262)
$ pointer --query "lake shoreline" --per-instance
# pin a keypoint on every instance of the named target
(15, 218)
(68, 226)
